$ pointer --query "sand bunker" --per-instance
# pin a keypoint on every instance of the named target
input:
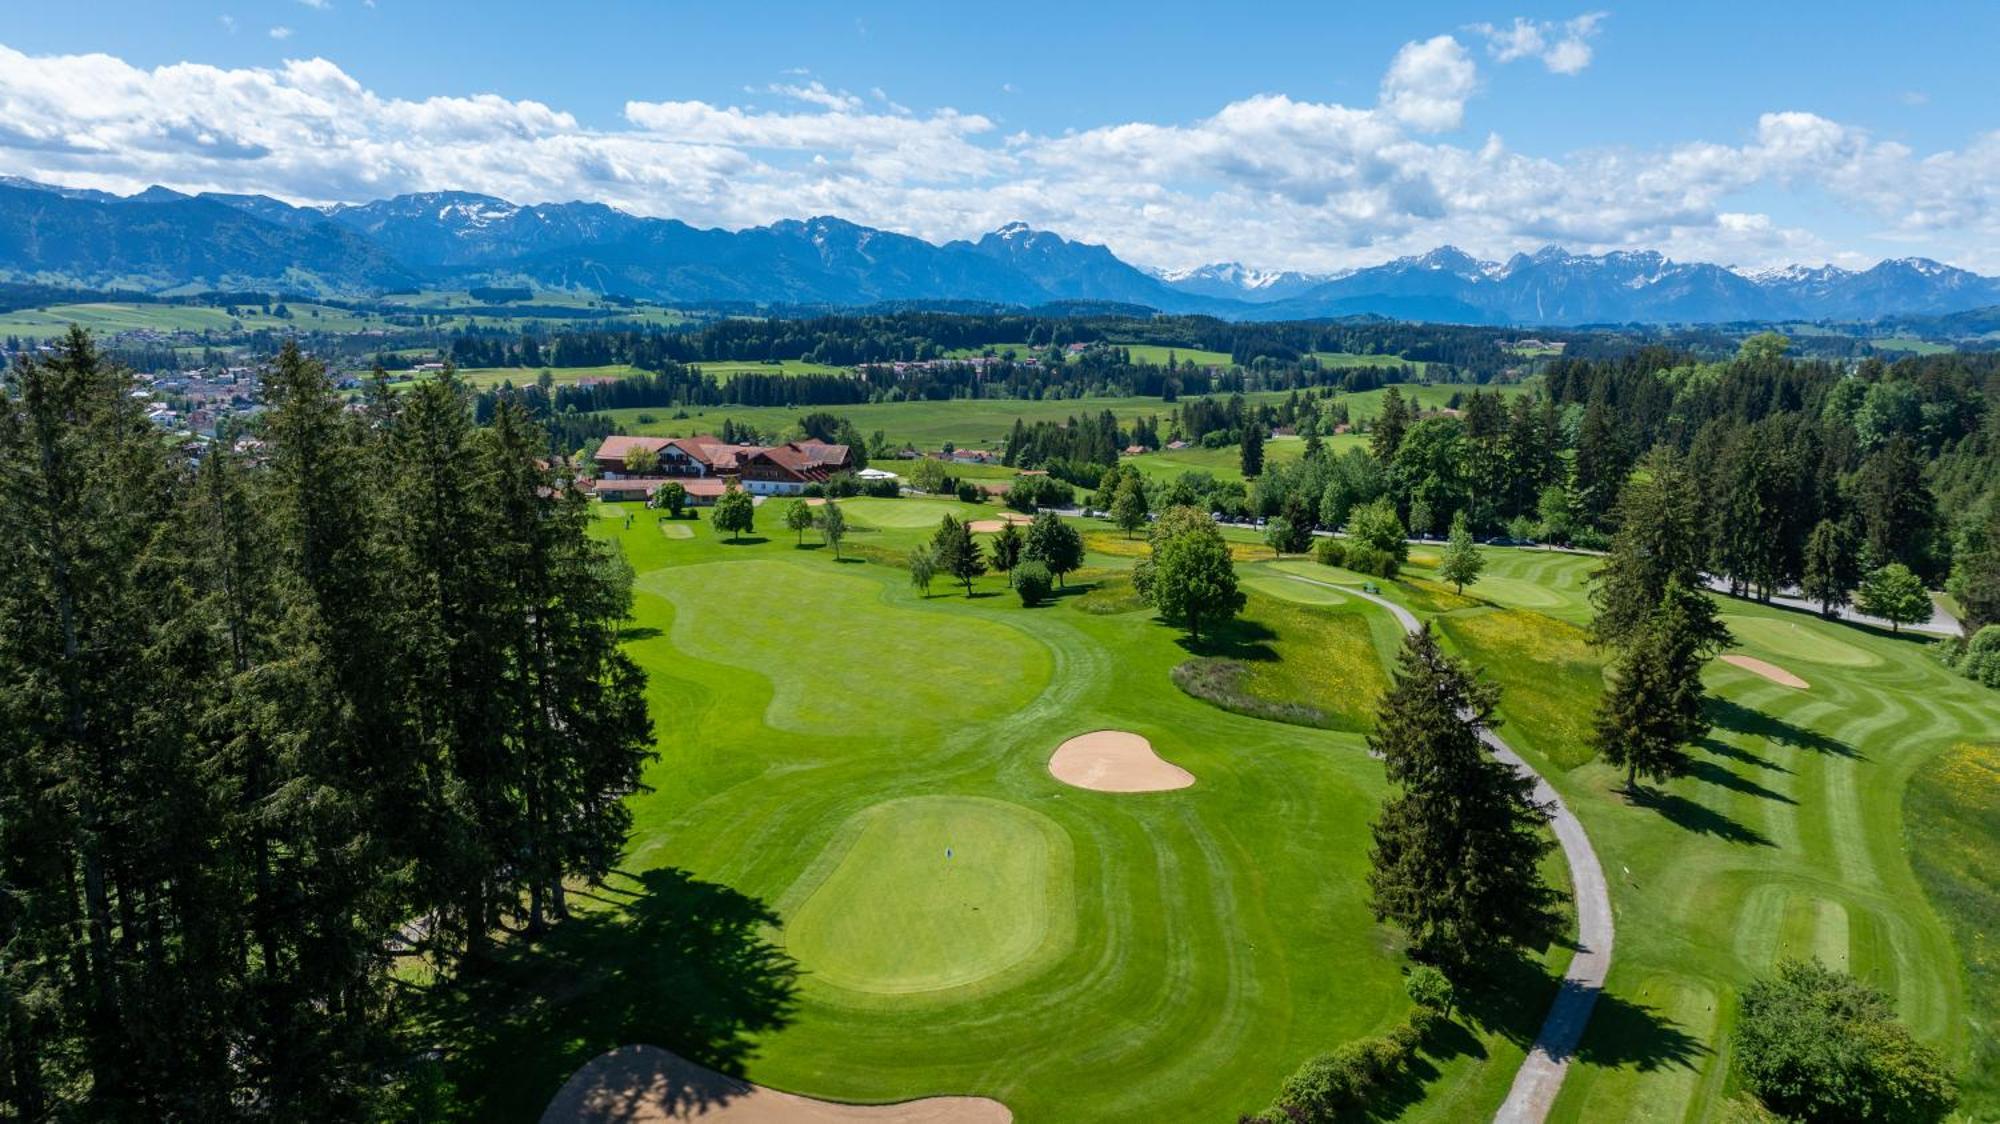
(648, 1085)
(1115, 761)
(1770, 671)
(992, 526)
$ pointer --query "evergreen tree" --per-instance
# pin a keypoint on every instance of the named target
(1659, 541)
(1831, 570)
(1975, 570)
(1005, 549)
(1655, 705)
(1601, 464)
(1898, 513)
(1253, 449)
(1462, 562)
(1458, 848)
(1392, 421)
(956, 553)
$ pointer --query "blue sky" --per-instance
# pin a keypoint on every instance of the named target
(1309, 136)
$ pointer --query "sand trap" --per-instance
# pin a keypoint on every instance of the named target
(992, 526)
(1115, 761)
(648, 1085)
(1770, 671)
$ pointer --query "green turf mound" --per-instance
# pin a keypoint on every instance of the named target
(934, 892)
(1798, 640)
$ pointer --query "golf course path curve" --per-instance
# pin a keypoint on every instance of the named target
(648, 1085)
(1541, 1074)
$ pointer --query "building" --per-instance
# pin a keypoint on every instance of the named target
(764, 470)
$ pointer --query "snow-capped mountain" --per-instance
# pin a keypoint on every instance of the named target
(162, 239)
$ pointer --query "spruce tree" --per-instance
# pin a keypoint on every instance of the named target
(1458, 847)
(1005, 549)
(1659, 540)
(1655, 706)
(956, 553)
(1831, 570)
(1253, 449)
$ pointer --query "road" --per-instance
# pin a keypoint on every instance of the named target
(1541, 1074)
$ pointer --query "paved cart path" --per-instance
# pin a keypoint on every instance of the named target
(1541, 1074)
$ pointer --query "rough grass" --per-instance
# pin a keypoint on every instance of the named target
(1291, 661)
(1548, 673)
(1223, 682)
(1951, 820)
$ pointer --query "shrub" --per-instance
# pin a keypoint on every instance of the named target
(969, 492)
(842, 485)
(1331, 552)
(1981, 661)
(813, 491)
(1033, 582)
(882, 488)
(1817, 1044)
(1521, 529)
(1429, 989)
(1366, 559)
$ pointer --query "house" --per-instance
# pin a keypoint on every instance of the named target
(1136, 450)
(700, 493)
(1177, 444)
(773, 470)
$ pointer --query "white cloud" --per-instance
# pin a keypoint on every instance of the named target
(228, 23)
(1272, 179)
(281, 32)
(1562, 46)
(317, 5)
(1428, 83)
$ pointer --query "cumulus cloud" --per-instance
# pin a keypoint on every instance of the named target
(1562, 45)
(1272, 179)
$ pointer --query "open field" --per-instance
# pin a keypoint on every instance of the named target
(528, 376)
(109, 317)
(854, 788)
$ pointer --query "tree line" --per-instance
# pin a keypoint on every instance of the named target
(270, 718)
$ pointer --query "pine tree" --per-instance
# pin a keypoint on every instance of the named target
(956, 553)
(1655, 705)
(1253, 449)
(1659, 541)
(1461, 563)
(1005, 549)
(1456, 860)
(1391, 422)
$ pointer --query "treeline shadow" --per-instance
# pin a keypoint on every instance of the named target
(660, 958)
(1694, 816)
(1508, 998)
(1733, 716)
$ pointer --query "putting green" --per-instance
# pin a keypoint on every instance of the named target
(1516, 593)
(1790, 640)
(933, 892)
(912, 511)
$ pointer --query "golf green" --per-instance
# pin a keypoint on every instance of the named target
(1794, 640)
(933, 892)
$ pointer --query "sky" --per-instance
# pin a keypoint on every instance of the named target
(1313, 137)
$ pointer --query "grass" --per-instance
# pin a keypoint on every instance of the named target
(1295, 655)
(111, 317)
(1547, 671)
(826, 731)
(1951, 820)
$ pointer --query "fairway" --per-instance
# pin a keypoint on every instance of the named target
(933, 892)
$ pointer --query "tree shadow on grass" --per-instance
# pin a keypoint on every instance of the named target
(746, 540)
(1736, 753)
(639, 632)
(1739, 719)
(1692, 815)
(671, 961)
(1711, 773)
(1238, 639)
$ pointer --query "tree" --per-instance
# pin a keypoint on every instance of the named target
(923, 568)
(1054, 544)
(1005, 549)
(1278, 535)
(1253, 449)
(1895, 594)
(671, 495)
(1128, 507)
(1830, 567)
(642, 460)
(1033, 583)
(799, 518)
(1189, 577)
(1656, 703)
(1458, 848)
(1819, 1045)
(1377, 526)
(1391, 422)
(1898, 513)
(735, 512)
(1659, 541)
(1975, 570)
(929, 475)
(956, 553)
(1461, 562)
(832, 524)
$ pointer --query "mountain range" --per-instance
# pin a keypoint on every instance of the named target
(160, 240)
